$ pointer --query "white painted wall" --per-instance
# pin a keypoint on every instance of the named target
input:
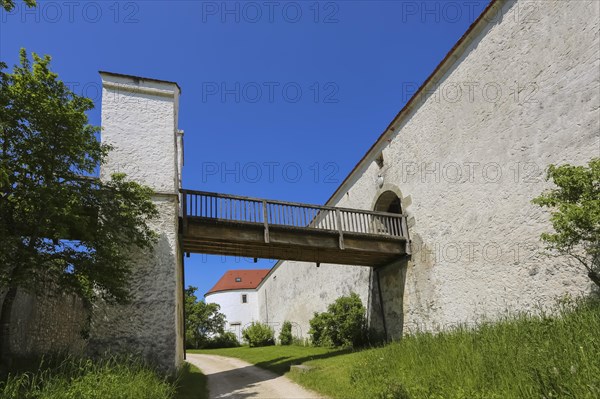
(239, 315)
(139, 119)
(476, 248)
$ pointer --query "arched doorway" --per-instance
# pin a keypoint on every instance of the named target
(387, 282)
(389, 202)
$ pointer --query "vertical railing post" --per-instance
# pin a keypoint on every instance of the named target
(339, 228)
(266, 220)
(184, 210)
(405, 233)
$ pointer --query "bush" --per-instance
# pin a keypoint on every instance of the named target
(299, 341)
(227, 339)
(285, 336)
(343, 325)
(259, 334)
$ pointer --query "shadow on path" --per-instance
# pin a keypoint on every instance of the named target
(234, 378)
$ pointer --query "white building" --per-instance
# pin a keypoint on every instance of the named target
(236, 293)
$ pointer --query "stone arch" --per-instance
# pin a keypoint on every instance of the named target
(386, 194)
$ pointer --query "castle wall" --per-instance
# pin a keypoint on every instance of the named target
(49, 322)
(466, 160)
(139, 119)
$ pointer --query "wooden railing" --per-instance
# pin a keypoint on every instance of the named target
(234, 208)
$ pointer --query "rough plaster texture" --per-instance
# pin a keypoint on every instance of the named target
(47, 323)
(139, 119)
(293, 291)
(467, 159)
(239, 315)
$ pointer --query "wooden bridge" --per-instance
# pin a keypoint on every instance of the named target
(258, 228)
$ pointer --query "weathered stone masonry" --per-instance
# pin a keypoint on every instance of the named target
(46, 323)
(466, 165)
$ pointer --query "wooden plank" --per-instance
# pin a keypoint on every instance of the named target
(294, 254)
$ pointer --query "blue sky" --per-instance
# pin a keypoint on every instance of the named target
(280, 99)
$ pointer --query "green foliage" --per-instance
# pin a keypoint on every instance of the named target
(575, 204)
(226, 339)
(343, 325)
(58, 224)
(72, 378)
(320, 333)
(202, 320)
(8, 5)
(259, 334)
(285, 335)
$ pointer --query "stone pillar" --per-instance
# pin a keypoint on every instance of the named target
(139, 120)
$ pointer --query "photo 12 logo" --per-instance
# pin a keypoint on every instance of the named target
(473, 92)
(269, 172)
(252, 12)
(450, 12)
(52, 12)
(472, 172)
(270, 92)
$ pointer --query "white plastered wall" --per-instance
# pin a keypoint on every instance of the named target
(139, 120)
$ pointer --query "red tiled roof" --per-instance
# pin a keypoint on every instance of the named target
(249, 279)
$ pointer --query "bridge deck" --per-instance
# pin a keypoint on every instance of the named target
(257, 228)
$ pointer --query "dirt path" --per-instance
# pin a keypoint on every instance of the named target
(234, 378)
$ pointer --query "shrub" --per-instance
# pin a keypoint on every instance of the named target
(259, 334)
(319, 329)
(299, 341)
(343, 325)
(226, 339)
(285, 336)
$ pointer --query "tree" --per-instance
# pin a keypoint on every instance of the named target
(202, 320)
(8, 5)
(575, 204)
(59, 226)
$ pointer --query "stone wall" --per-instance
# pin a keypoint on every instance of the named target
(47, 323)
(466, 157)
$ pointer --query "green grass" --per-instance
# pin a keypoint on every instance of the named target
(191, 383)
(275, 358)
(70, 378)
(115, 378)
(518, 357)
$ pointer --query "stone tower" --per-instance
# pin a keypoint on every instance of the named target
(139, 120)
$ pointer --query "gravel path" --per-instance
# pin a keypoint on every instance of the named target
(233, 378)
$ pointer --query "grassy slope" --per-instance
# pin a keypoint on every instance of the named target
(191, 383)
(523, 357)
(115, 378)
(118, 378)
